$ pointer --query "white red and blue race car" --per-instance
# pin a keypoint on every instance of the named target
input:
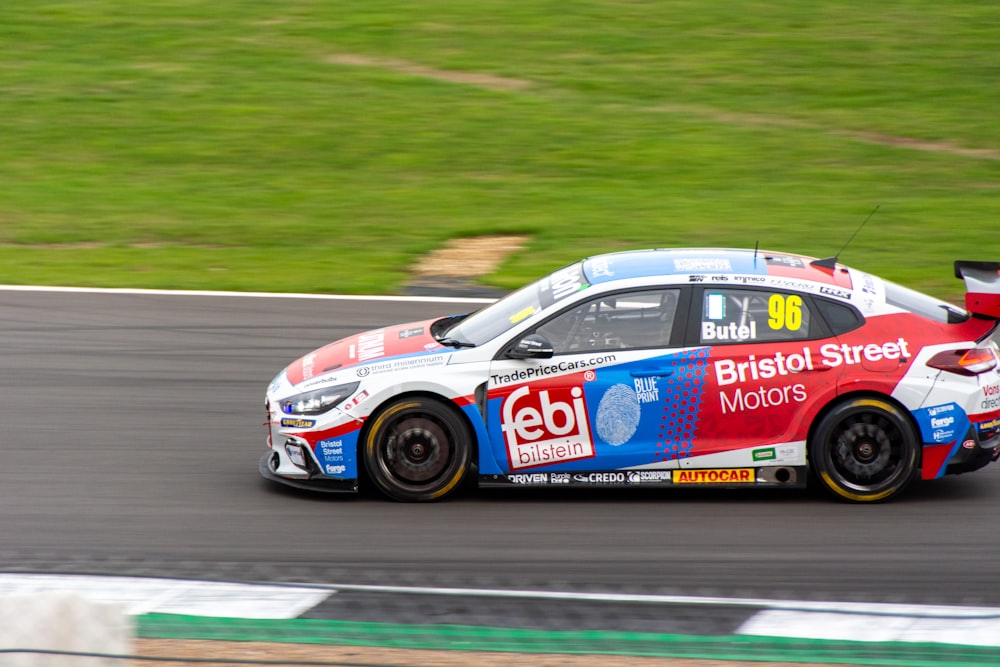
(724, 368)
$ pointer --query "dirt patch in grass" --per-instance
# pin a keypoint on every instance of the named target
(923, 145)
(501, 83)
(763, 120)
(469, 257)
(478, 79)
(452, 269)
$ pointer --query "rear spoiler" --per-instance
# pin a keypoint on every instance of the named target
(982, 287)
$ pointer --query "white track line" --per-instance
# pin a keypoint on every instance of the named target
(871, 622)
(847, 626)
(141, 586)
(869, 608)
(142, 595)
(848, 621)
(252, 295)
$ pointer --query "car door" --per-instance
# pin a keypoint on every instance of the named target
(765, 378)
(597, 402)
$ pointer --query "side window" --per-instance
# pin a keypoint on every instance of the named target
(744, 315)
(840, 317)
(614, 322)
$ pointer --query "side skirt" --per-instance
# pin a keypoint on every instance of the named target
(794, 477)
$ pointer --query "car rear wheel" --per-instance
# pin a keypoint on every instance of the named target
(865, 450)
(417, 449)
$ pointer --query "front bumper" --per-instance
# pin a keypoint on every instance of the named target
(301, 457)
(269, 462)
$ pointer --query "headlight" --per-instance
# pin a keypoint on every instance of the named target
(319, 401)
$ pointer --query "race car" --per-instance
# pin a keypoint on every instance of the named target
(657, 368)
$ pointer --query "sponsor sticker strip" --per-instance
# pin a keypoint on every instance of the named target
(696, 476)
(546, 427)
(715, 476)
(544, 370)
(403, 364)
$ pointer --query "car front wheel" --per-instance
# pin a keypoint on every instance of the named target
(417, 449)
(865, 450)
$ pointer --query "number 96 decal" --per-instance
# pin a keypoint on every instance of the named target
(784, 312)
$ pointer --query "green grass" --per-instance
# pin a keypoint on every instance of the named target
(185, 144)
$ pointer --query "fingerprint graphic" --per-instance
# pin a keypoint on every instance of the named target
(618, 414)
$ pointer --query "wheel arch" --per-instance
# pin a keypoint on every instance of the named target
(395, 398)
(862, 394)
(859, 449)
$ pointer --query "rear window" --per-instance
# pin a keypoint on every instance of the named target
(921, 304)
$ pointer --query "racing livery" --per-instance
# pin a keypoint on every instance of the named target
(685, 367)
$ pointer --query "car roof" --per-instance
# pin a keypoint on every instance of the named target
(708, 261)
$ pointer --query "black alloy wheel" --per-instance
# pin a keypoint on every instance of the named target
(417, 449)
(865, 450)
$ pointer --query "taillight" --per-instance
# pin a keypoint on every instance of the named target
(966, 362)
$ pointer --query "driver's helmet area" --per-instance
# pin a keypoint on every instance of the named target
(613, 322)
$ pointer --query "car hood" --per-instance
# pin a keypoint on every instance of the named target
(388, 344)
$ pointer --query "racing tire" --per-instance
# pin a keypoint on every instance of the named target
(417, 450)
(864, 450)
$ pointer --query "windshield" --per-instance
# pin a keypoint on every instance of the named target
(488, 323)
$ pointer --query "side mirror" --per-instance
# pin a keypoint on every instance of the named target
(532, 346)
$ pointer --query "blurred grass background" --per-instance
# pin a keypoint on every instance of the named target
(324, 146)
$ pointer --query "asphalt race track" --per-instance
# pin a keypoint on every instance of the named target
(132, 430)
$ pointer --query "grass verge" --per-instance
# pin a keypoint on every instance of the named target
(305, 147)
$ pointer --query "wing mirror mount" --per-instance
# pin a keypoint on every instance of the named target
(532, 346)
